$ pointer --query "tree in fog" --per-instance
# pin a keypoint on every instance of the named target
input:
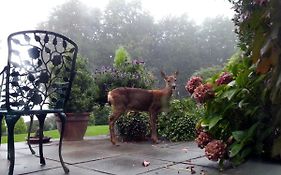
(79, 22)
(126, 24)
(175, 47)
(172, 43)
(100, 34)
(216, 40)
(187, 47)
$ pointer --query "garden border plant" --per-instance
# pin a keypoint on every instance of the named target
(178, 124)
(81, 102)
(236, 121)
(242, 104)
(125, 72)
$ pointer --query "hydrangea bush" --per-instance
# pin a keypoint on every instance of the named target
(235, 122)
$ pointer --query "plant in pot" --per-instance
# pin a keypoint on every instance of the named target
(80, 104)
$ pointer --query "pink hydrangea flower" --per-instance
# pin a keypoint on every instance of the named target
(193, 83)
(203, 92)
(225, 78)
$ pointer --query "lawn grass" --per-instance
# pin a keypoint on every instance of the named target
(91, 131)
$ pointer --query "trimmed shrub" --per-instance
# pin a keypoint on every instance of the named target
(179, 123)
(133, 127)
(84, 89)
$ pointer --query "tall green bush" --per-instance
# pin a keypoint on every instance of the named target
(133, 127)
(20, 127)
(121, 57)
(84, 90)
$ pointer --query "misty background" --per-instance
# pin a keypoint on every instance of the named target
(168, 43)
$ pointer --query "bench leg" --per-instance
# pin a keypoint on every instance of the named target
(1, 118)
(62, 117)
(28, 135)
(11, 121)
(41, 119)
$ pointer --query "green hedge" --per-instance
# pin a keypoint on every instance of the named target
(133, 127)
(179, 123)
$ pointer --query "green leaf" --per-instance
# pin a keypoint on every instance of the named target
(252, 130)
(238, 135)
(237, 160)
(204, 122)
(242, 79)
(246, 151)
(259, 80)
(235, 149)
(214, 121)
(229, 94)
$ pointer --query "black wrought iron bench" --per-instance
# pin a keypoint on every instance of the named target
(36, 81)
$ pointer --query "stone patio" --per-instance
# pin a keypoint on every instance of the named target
(97, 156)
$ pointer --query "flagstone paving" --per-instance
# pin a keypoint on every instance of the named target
(97, 156)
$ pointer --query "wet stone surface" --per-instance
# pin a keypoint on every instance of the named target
(97, 156)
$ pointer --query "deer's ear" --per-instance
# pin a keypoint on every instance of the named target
(176, 73)
(163, 74)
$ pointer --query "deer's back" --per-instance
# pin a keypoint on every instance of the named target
(131, 98)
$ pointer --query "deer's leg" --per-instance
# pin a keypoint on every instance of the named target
(112, 119)
(153, 123)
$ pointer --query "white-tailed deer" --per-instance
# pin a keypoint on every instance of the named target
(125, 99)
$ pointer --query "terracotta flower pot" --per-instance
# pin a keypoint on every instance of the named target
(75, 127)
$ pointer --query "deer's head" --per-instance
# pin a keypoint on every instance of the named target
(170, 80)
